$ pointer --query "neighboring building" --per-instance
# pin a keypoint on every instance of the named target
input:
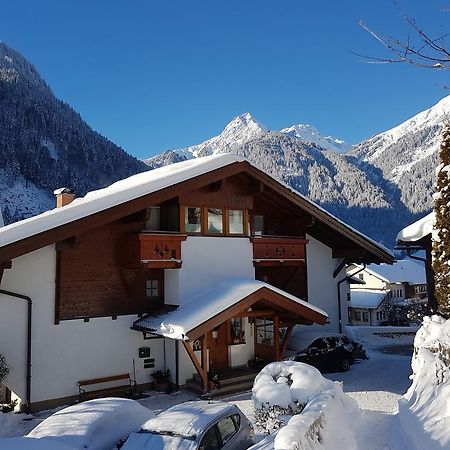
(416, 237)
(366, 307)
(195, 267)
(394, 289)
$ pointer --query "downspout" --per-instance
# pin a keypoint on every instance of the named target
(346, 278)
(28, 370)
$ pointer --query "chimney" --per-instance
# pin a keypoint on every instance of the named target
(64, 196)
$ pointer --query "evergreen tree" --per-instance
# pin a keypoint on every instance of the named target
(441, 234)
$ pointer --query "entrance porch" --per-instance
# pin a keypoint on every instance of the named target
(238, 321)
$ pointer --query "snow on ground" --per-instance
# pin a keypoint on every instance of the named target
(375, 384)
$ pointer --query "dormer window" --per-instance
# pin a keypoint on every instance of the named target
(193, 220)
(215, 221)
(235, 221)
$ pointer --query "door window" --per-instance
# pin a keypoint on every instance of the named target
(227, 428)
(210, 440)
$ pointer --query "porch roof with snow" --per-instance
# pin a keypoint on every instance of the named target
(417, 230)
(137, 192)
(211, 307)
(367, 298)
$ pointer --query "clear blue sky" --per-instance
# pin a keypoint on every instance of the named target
(153, 75)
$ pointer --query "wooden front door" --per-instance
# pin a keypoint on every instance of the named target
(218, 348)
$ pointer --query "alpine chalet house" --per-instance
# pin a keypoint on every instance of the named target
(197, 267)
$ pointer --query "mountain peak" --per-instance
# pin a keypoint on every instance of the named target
(14, 68)
(245, 123)
(308, 133)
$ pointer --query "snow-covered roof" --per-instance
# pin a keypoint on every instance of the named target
(117, 193)
(371, 269)
(417, 230)
(206, 304)
(152, 181)
(366, 298)
(403, 270)
(190, 418)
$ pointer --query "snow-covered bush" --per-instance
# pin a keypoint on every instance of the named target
(282, 389)
(305, 410)
(425, 408)
(4, 369)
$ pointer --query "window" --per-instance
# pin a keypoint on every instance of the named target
(215, 221)
(152, 219)
(365, 316)
(235, 221)
(193, 220)
(227, 428)
(237, 332)
(259, 224)
(152, 288)
(210, 440)
(264, 331)
(358, 316)
(361, 276)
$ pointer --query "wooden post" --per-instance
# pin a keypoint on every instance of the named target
(204, 353)
(197, 365)
(276, 337)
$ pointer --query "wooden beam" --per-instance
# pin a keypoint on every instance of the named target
(286, 339)
(258, 313)
(348, 253)
(4, 266)
(66, 244)
(198, 367)
(204, 352)
(338, 269)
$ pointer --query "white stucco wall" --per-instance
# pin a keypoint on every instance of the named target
(65, 353)
(322, 287)
(208, 260)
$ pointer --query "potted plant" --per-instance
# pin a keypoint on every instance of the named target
(162, 380)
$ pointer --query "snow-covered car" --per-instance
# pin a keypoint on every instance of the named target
(326, 351)
(94, 425)
(196, 425)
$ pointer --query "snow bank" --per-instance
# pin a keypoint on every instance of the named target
(425, 408)
(327, 417)
(95, 424)
(29, 443)
(382, 335)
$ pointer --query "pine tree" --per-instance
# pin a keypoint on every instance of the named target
(441, 233)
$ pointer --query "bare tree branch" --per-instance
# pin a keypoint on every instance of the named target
(420, 49)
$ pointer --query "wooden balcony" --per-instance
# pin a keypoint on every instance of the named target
(153, 250)
(278, 251)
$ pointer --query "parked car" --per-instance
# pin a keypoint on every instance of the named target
(197, 425)
(327, 351)
(95, 424)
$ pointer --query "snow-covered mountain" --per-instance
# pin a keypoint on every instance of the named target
(44, 144)
(378, 186)
(407, 155)
(308, 133)
(242, 129)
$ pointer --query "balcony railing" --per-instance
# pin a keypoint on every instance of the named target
(154, 251)
(278, 250)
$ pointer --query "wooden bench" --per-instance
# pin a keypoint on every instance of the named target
(128, 388)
